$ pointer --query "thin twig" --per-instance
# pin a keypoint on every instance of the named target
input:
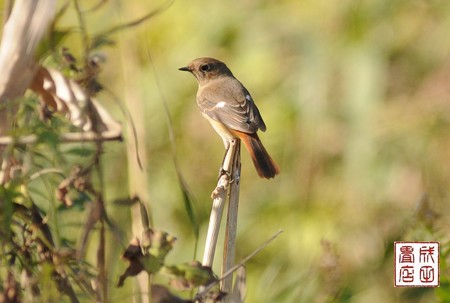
(142, 19)
(101, 261)
(46, 171)
(84, 35)
(66, 138)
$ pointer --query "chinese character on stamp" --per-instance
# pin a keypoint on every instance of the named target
(416, 264)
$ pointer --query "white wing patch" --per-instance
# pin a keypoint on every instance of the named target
(248, 97)
(220, 104)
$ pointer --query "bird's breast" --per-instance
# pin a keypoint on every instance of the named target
(220, 128)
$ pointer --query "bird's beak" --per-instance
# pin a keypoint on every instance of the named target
(185, 69)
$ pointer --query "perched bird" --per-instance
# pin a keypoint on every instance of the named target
(230, 109)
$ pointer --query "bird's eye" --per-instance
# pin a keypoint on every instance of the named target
(205, 67)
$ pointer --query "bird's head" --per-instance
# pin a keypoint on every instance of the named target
(205, 69)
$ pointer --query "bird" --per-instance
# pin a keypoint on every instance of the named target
(229, 107)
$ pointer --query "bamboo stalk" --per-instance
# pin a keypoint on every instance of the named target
(229, 250)
(138, 177)
(227, 186)
(214, 223)
(219, 196)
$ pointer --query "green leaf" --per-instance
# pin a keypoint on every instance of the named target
(189, 275)
(80, 151)
(7, 197)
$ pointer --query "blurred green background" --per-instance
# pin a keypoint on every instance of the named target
(356, 98)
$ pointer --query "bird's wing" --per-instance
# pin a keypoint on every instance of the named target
(231, 104)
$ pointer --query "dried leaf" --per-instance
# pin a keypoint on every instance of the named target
(67, 97)
(133, 254)
(138, 262)
(62, 95)
(76, 181)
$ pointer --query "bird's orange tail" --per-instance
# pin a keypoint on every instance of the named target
(264, 164)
